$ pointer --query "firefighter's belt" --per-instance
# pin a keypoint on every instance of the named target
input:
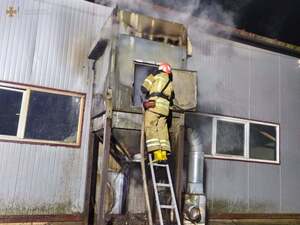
(159, 94)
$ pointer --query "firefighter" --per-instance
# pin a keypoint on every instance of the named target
(159, 92)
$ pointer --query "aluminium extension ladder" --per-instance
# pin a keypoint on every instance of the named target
(169, 185)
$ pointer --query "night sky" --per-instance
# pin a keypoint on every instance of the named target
(279, 20)
(276, 19)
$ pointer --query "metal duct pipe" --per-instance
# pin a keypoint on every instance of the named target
(192, 212)
(195, 200)
(196, 164)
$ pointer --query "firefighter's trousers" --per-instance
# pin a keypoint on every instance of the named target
(156, 130)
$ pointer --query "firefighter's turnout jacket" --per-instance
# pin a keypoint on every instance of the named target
(158, 88)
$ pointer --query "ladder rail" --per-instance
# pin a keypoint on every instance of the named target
(158, 206)
(143, 168)
(174, 203)
(169, 185)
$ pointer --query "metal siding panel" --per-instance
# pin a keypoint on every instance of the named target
(81, 162)
(265, 181)
(264, 86)
(133, 48)
(223, 88)
(230, 186)
(205, 61)
(208, 185)
(235, 83)
(271, 95)
(31, 183)
(264, 190)
(17, 39)
(290, 132)
(57, 62)
(56, 37)
(96, 20)
(290, 174)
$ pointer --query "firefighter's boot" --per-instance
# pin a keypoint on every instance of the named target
(160, 155)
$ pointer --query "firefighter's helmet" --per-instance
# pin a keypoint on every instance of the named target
(165, 67)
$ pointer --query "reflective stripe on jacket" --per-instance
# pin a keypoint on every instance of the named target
(155, 84)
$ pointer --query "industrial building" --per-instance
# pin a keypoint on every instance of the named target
(70, 119)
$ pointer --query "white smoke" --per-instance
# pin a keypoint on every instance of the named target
(191, 13)
(194, 138)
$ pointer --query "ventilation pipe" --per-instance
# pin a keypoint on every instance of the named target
(196, 159)
(195, 201)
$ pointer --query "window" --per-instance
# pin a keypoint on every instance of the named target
(10, 101)
(40, 115)
(263, 142)
(226, 137)
(230, 138)
(203, 126)
(141, 71)
(186, 98)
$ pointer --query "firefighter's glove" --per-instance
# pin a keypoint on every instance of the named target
(149, 104)
(160, 155)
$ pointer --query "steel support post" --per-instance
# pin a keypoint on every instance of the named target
(104, 157)
(179, 166)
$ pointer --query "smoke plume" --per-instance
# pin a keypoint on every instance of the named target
(192, 13)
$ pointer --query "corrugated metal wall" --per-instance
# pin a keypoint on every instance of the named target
(47, 44)
(244, 81)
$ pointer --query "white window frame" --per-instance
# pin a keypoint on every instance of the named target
(26, 90)
(246, 156)
(214, 137)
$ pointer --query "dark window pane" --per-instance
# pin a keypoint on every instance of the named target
(202, 125)
(52, 117)
(230, 138)
(262, 142)
(10, 102)
(141, 71)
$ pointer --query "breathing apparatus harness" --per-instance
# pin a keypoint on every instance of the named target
(151, 103)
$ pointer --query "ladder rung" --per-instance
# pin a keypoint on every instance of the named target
(163, 185)
(159, 165)
(173, 205)
(167, 206)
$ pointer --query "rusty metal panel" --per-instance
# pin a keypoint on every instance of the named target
(136, 196)
(151, 28)
(184, 82)
(131, 121)
(128, 139)
(102, 47)
(102, 68)
(47, 44)
(185, 88)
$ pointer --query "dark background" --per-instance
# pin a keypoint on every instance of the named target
(275, 19)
